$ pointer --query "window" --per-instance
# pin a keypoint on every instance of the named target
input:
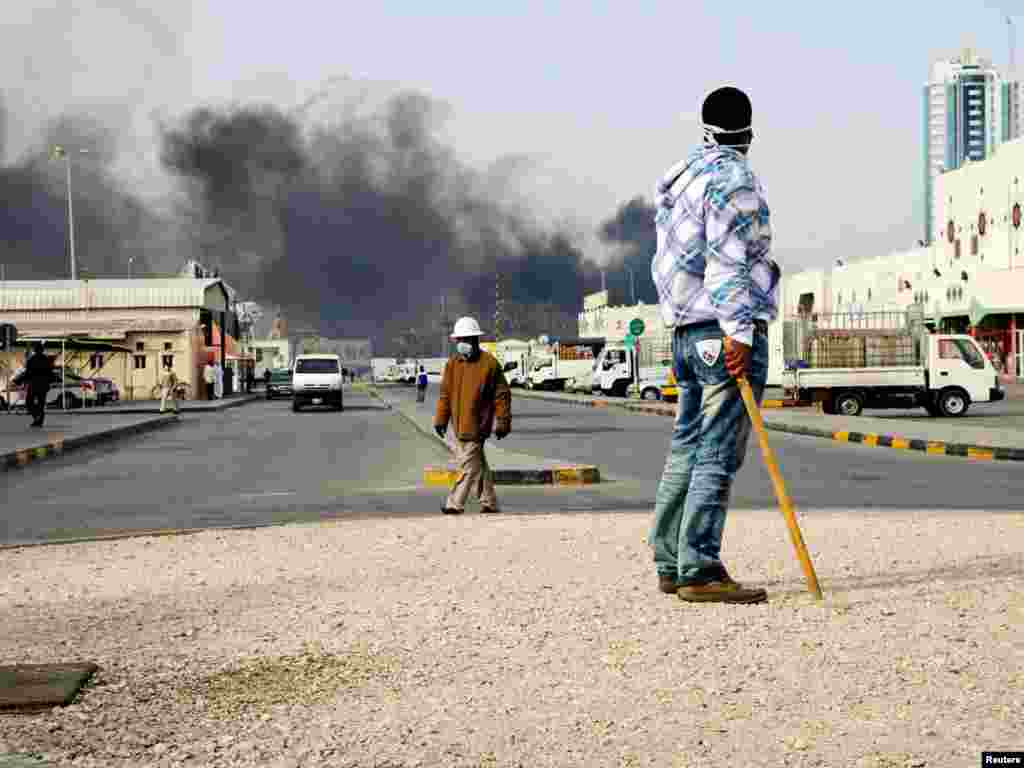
(139, 346)
(167, 346)
(140, 362)
(96, 361)
(316, 365)
(259, 355)
(167, 360)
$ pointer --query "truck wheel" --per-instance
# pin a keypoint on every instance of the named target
(953, 402)
(620, 389)
(650, 393)
(849, 404)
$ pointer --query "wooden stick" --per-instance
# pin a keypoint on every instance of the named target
(780, 488)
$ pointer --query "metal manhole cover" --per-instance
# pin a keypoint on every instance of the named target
(38, 686)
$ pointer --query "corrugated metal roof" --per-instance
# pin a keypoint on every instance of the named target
(176, 292)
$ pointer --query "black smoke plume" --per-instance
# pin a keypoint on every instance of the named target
(111, 225)
(359, 228)
(632, 231)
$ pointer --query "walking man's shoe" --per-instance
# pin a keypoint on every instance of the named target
(450, 510)
(721, 592)
(667, 584)
(488, 511)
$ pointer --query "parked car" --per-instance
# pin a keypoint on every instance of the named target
(106, 390)
(653, 388)
(280, 383)
(74, 392)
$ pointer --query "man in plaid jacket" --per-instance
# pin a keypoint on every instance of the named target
(718, 289)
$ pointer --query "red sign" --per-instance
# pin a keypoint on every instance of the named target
(1016, 216)
(981, 223)
(950, 234)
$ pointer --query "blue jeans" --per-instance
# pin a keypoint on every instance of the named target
(709, 443)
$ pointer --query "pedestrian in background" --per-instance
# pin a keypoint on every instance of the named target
(474, 398)
(266, 377)
(210, 379)
(421, 385)
(37, 376)
(168, 388)
(718, 289)
(218, 380)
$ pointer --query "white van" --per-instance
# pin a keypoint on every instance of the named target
(316, 380)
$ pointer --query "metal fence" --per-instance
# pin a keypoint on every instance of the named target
(853, 340)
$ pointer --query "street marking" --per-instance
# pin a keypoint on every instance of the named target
(267, 493)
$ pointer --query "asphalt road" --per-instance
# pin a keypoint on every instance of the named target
(262, 464)
(631, 448)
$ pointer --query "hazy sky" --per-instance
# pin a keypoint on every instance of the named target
(602, 96)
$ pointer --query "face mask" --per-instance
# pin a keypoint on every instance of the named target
(712, 131)
(464, 348)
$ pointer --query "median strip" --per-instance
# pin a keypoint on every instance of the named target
(58, 444)
(526, 470)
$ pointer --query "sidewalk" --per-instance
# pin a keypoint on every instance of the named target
(947, 437)
(530, 639)
(185, 406)
(509, 468)
(21, 444)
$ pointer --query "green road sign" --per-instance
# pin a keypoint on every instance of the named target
(636, 327)
(630, 340)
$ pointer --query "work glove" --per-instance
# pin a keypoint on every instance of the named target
(737, 358)
(441, 431)
(500, 433)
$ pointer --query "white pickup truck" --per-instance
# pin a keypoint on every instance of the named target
(950, 373)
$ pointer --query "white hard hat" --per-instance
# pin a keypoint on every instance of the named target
(466, 326)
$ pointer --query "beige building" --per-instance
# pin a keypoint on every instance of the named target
(971, 280)
(151, 319)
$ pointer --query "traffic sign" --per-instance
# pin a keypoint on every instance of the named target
(630, 340)
(636, 327)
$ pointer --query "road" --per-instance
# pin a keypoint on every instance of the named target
(819, 473)
(261, 464)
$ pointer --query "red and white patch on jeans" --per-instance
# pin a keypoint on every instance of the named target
(709, 350)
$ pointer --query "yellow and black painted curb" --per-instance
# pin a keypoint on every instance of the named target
(58, 445)
(933, 447)
(446, 477)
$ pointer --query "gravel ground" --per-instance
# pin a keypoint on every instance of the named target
(525, 641)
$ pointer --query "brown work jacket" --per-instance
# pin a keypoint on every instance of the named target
(474, 397)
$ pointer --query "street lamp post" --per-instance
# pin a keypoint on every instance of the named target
(59, 151)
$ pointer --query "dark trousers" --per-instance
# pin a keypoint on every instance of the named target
(421, 394)
(209, 391)
(36, 403)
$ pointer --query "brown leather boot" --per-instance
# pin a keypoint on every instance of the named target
(721, 591)
(667, 584)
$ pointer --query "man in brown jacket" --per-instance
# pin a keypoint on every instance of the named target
(474, 395)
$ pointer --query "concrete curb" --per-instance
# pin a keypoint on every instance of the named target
(933, 447)
(25, 456)
(234, 403)
(446, 477)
